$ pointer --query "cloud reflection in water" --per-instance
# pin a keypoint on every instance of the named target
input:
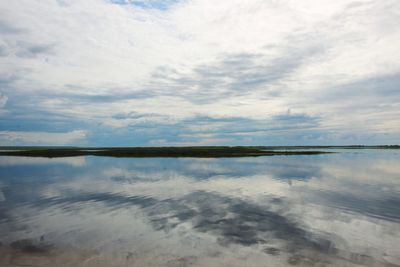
(326, 210)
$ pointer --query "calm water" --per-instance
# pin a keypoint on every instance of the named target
(325, 210)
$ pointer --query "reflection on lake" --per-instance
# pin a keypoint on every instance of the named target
(325, 210)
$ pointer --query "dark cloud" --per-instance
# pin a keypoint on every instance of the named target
(236, 129)
(235, 125)
(27, 113)
(3, 100)
(381, 87)
(9, 28)
(231, 75)
(102, 97)
(136, 115)
(366, 96)
(7, 80)
(31, 246)
(17, 45)
(4, 51)
(33, 50)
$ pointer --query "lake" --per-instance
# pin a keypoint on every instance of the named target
(339, 209)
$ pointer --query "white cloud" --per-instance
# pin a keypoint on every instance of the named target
(8, 138)
(251, 59)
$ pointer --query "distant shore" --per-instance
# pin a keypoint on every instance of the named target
(138, 152)
(195, 151)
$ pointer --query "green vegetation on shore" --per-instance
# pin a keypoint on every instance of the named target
(195, 151)
(201, 152)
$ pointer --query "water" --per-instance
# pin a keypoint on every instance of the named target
(324, 210)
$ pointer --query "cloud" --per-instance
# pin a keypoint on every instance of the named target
(3, 100)
(232, 75)
(157, 4)
(199, 141)
(165, 65)
(8, 138)
(8, 28)
(33, 50)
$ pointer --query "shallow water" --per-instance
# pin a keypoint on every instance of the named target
(323, 210)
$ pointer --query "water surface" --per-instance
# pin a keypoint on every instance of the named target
(324, 210)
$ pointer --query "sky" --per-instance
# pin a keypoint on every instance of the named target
(199, 72)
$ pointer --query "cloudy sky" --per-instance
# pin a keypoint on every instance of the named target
(199, 72)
